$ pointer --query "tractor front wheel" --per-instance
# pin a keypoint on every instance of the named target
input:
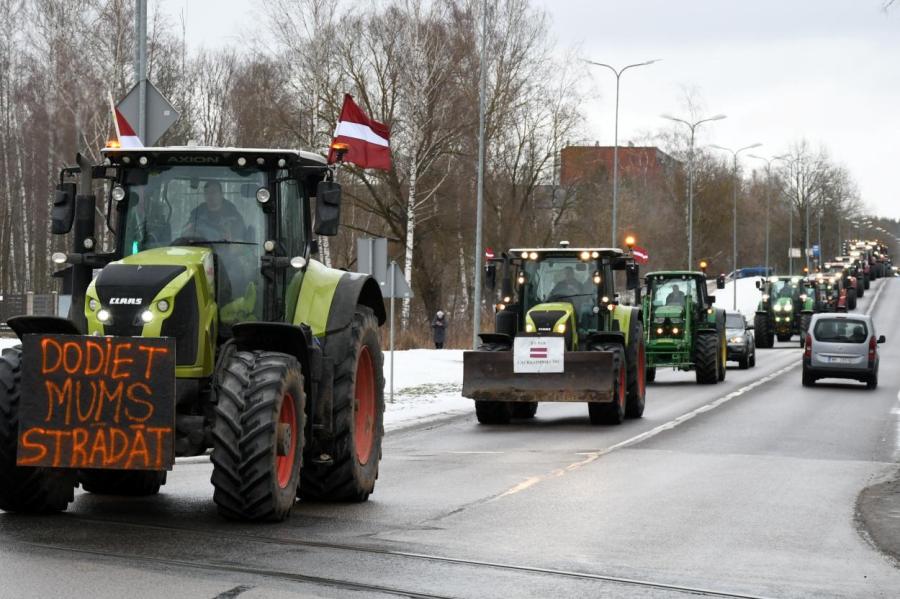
(765, 337)
(637, 372)
(30, 490)
(706, 359)
(258, 436)
(349, 475)
(131, 483)
(613, 412)
(493, 412)
(651, 374)
(851, 299)
(524, 409)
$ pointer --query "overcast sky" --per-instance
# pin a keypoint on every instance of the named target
(782, 70)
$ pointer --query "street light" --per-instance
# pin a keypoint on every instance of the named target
(768, 162)
(735, 153)
(618, 74)
(692, 126)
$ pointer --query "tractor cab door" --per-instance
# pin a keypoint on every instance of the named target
(293, 237)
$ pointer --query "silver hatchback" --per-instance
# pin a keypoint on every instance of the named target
(841, 346)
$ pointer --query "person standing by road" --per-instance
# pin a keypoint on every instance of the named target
(439, 329)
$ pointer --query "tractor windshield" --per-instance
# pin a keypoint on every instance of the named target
(560, 278)
(669, 292)
(205, 205)
(784, 288)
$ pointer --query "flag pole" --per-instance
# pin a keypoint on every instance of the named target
(479, 202)
(112, 107)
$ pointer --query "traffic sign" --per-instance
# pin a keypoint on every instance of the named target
(160, 113)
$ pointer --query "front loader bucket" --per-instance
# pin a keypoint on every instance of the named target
(587, 377)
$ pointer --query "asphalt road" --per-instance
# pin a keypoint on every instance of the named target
(746, 488)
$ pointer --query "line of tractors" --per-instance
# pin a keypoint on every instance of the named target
(200, 322)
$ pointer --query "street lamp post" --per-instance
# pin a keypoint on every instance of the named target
(693, 127)
(618, 74)
(768, 162)
(734, 154)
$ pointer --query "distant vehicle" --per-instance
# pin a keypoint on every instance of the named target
(751, 271)
(841, 346)
(741, 344)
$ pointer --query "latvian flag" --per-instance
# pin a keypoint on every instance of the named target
(539, 352)
(125, 134)
(367, 139)
(641, 256)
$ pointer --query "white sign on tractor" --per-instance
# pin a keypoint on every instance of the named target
(539, 354)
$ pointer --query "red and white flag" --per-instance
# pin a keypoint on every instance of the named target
(124, 132)
(539, 352)
(489, 253)
(367, 139)
(641, 256)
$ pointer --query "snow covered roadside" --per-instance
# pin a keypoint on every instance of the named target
(427, 385)
(747, 297)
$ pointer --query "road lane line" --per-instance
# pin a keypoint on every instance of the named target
(593, 456)
(876, 298)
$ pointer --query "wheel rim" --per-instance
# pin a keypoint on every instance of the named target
(642, 370)
(364, 417)
(284, 464)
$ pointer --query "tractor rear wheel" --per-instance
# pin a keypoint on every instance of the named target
(30, 490)
(860, 288)
(763, 334)
(851, 299)
(131, 483)
(493, 412)
(258, 436)
(706, 358)
(637, 371)
(524, 409)
(867, 281)
(613, 412)
(351, 472)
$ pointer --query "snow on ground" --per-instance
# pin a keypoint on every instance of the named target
(747, 297)
(427, 385)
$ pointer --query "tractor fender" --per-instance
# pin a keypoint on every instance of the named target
(354, 289)
(627, 318)
(595, 339)
(496, 339)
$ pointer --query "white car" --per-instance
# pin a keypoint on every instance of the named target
(841, 346)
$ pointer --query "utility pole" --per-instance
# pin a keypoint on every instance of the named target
(140, 64)
(479, 202)
(768, 162)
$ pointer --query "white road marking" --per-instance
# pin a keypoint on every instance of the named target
(875, 299)
(593, 456)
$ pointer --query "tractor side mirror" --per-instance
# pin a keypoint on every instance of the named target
(758, 285)
(62, 215)
(711, 299)
(881, 339)
(490, 275)
(328, 208)
(720, 282)
(632, 277)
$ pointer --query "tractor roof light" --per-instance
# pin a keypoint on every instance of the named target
(533, 255)
(563, 244)
(597, 278)
(242, 161)
(113, 144)
(595, 254)
(525, 255)
(630, 241)
(269, 245)
(704, 265)
(143, 161)
(585, 255)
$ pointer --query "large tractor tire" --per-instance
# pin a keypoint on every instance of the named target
(867, 281)
(636, 358)
(524, 409)
(130, 483)
(493, 412)
(258, 436)
(851, 298)
(613, 413)
(706, 358)
(30, 490)
(860, 288)
(651, 374)
(358, 418)
(765, 337)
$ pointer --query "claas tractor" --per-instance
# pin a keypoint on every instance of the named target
(561, 335)
(780, 309)
(203, 322)
(683, 328)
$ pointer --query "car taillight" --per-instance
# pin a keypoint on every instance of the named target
(807, 350)
(873, 346)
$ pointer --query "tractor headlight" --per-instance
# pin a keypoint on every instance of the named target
(675, 330)
(803, 297)
(93, 305)
(529, 328)
(103, 315)
(162, 305)
(777, 308)
(147, 316)
(561, 328)
(789, 308)
(659, 331)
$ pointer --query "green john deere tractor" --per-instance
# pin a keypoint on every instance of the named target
(205, 325)
(560, 335)
(781, 308)
(683, 329)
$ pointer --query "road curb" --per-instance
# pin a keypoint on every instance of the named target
(878, 516)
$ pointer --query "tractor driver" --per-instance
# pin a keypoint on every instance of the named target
(216, 218)
(568, 285)
(787, 291)
(676, 297)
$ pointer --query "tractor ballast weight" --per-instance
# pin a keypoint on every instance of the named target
(683, 329)
(257, 351)
(561, 335)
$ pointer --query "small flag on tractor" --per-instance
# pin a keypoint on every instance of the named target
(641, 256)
(367, 142)
(125, 134)
(488, 253)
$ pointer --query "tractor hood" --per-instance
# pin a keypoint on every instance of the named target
(545, 318)
(671, 311)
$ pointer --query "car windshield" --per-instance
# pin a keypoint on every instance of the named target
(668, 292)
(836, 330)
(205, 205)
(734, 321)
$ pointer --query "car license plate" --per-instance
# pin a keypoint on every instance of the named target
(835, 360)
(539, 354)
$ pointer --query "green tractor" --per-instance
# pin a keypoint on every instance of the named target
(203, 324)
(683, 329)
(560, 335)
(781, 308)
